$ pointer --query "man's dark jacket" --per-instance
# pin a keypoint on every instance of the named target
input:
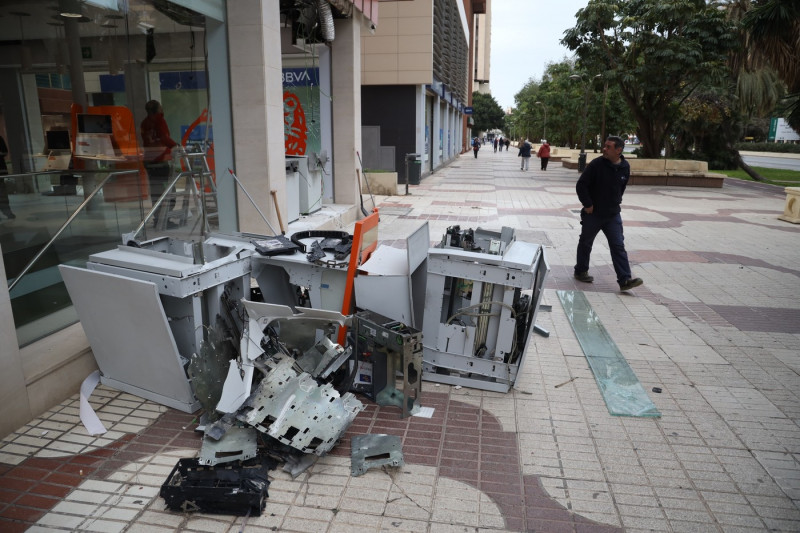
(524, 149)
(602, 185)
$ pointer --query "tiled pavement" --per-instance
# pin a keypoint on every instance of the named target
(716, 326)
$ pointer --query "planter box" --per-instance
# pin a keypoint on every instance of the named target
(380, 183)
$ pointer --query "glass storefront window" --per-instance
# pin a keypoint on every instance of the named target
(73, 94)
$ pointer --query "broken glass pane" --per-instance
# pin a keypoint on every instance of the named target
(621, 389)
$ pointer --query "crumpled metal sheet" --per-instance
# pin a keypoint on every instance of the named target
(324, 358)
(297, 411)
(370, 451)
(289, 404)
(238, 444)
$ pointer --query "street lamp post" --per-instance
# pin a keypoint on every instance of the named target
(582, 155)
(544, 129)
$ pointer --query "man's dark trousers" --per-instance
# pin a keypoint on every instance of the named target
(611, 226)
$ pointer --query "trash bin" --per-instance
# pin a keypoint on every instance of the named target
(413, 168)
(581, 161)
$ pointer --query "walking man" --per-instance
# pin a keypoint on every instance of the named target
(525, 154)
(600, 189)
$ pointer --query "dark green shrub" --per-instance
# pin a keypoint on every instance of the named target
(780, 148)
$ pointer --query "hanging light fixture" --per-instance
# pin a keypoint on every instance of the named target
(25, 61)
(70, 8)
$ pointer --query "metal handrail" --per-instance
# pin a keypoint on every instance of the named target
(167, 191)
(65, 225)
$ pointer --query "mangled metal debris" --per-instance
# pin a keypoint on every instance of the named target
(235, 488)
(275, 389)
(386, 349)
(371, 451)
(483, 293)
(238, 444)
(283, 400)
(297, 411)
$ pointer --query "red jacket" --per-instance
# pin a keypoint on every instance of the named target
(544, 150)
(155, 138)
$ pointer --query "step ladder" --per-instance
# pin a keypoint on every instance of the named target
(197, 199)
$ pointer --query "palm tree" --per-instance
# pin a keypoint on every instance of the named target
(770, 45)
(773, 29)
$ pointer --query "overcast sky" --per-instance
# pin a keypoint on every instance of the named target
(525, 37)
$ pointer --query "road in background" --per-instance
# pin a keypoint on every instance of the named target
(773, 161)
(757, 159)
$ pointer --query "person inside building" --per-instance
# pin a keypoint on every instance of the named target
(158, 146)
(5, 204)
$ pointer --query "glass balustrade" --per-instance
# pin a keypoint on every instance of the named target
(41, 204)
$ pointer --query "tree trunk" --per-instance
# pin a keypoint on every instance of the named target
(747, 168)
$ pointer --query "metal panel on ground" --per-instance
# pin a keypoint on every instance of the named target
(116, 312)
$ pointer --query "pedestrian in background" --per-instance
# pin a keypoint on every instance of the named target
(525, 154)
(600, 189)
(507, 142)
(476, 145)
(544, 153)
(495, 143)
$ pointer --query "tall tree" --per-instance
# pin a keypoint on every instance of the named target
(771, 37)
(486, 112)
(560, 100)
(656, 52)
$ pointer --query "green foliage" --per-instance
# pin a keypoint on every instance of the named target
(782, 148)
(562, 100)
(486, 113)
(656, 52)
(707, 126)
(775, 176)
(770, 37)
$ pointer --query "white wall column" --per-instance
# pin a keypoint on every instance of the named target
(257, 110)
(451, 134)
(220, 110)
(419, 131)
(346, 93)
(436, 140)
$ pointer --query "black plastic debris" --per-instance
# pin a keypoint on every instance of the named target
(231, 488)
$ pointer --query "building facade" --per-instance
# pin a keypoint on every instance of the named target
(419, 59)
(483, 47)
(250, 83)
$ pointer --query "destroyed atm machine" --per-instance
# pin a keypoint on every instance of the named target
(483, 293)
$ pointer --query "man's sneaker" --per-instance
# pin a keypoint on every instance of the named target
(629, 284)
(586, 278)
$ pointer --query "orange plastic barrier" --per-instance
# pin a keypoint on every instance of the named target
(365, 241)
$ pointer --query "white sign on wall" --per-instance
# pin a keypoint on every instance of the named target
(780, 131)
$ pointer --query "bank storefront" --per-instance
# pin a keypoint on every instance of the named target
(74, 81)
